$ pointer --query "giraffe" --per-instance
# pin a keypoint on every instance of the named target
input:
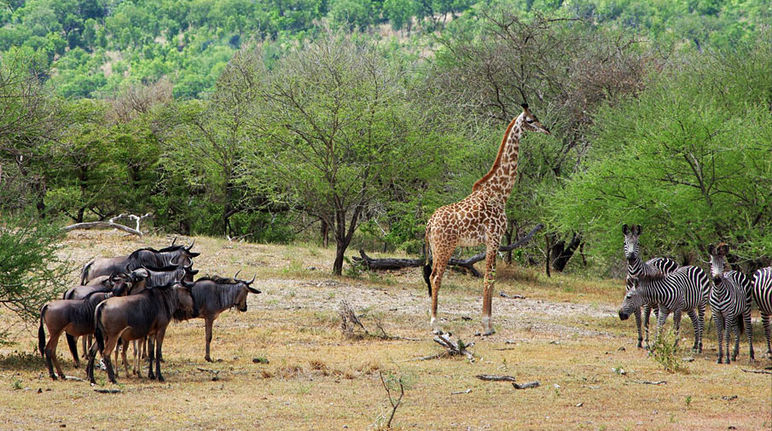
(477, 219)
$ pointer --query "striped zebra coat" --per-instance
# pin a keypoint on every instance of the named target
(683, 290)
(655, 267)
(730, 302)
(762, 293)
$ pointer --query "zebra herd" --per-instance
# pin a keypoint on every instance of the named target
(664, 286)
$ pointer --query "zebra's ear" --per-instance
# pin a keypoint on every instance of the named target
(638, 228)
(723, 249)
(625, 229)
(712, 250)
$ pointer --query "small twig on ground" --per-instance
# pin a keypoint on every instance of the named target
(425, 358)
(755, 371)
(108, 391)
(461, 392)
(495, 378)
(646, 382)
(73, 378)
(394, 404)
(526, 385)
(504, 295)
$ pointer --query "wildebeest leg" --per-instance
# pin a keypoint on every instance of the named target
(208, 323)
(84, 345)
(151, 358)
(123, 357)
(50, 353)
(159, 340)
(90, 365)
(110, 344)
(73, 345)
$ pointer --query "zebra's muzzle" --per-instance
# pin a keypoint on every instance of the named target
(623, 315)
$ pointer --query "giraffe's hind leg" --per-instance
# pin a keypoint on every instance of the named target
(441, 258)
(490, 274)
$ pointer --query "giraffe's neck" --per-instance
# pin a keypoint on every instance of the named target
(500, 180)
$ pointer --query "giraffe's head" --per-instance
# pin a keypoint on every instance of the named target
(530, 122)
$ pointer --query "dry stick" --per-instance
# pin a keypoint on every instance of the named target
(454, 348)
(495, 378)
(755, 371)
(394, 405)
(461, 392)
(646, 382)
(526, 385)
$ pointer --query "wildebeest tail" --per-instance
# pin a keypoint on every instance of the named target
(42, 332)
(72, 345)
(84, 273)
(428, 263)
(100, 341)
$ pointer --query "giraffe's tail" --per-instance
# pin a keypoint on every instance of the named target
(428, 263)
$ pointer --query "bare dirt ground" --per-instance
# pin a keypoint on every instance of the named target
(564, 334)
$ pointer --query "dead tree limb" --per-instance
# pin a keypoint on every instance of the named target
(755, 371)
(495, 378)
(111, 224)
(455, 347)
(466, 264)
(394, 404)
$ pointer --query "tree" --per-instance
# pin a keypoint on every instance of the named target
(31, 274)
(689, 160)
(336, 134)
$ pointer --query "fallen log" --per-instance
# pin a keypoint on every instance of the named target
(527, 385)
(465, 264)
(495, 378)
(111, 224)
(455, 347)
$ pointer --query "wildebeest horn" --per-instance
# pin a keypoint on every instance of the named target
(175, 260)
(252, 280)
(191, 245)
(173, 241)
(236, 275)
(187, 284)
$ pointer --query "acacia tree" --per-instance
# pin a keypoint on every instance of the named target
(689, 159)
(336, 134)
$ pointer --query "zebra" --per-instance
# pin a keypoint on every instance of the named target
(729, 302)
(657, 266)
(685, 289)
(762, 294)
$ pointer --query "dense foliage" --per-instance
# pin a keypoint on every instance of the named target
(261, 119)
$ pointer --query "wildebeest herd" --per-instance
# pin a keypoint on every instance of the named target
(134, 298)
(664, 286)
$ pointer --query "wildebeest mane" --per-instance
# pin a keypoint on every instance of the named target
(218, 280)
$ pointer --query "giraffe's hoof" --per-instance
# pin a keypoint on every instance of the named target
(489, 332)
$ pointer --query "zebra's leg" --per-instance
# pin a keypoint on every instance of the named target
(638, 325)
(695, 323)
(749, 330)
(765, 323)
(646, 315)
(728, 336)
(700, 324)
(719, 321)
(677, 326)
(661, 318)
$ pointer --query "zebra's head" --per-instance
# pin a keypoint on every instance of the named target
(633, 301)
(718, 258)
(631, 241)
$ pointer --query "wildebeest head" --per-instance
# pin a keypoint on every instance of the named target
(241, 298)
(181, 300)
(121, 283)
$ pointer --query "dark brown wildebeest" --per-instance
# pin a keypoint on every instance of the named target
(73, 316)
(148, 257)
(99, 284)
(213, 295)
(134, 317)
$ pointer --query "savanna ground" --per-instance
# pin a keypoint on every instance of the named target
(564, 334)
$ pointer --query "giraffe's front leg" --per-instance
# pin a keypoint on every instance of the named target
(490, 275)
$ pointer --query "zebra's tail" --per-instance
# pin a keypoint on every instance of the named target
(428, 262)
(42, 332)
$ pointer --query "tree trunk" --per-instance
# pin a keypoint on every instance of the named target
(325, 234)
(562, 253)
(340, 249)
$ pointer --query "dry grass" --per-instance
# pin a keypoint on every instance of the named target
(564, 334)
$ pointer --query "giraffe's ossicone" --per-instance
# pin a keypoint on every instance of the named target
(480, 218)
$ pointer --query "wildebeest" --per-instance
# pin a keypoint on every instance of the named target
(147, 257)
(102, 283)
(133, 317)
(73, 316)
(213, 295)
